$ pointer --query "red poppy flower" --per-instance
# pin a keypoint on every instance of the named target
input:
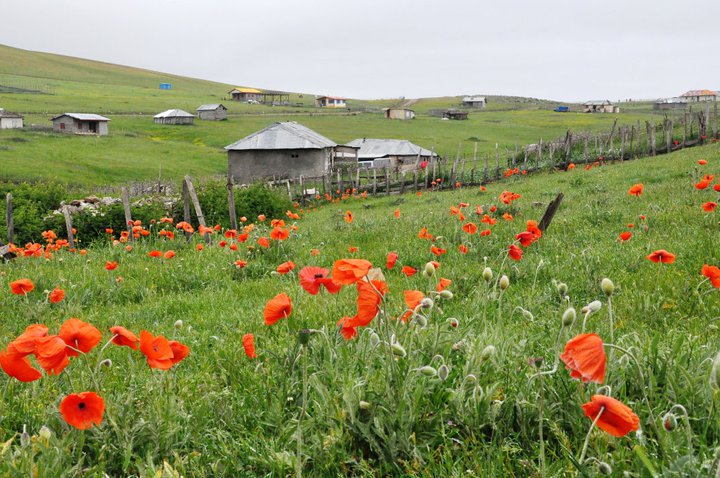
(248, 342)
(352, 249)
(180, 351)
(412, 300)
(397, 213)
(22, 286)
(285, 267)
(470, 228)
(155, 253)
(423, 233)
(463, 249)
(347, 331)
(515, 252)
(392, 258)
(508, 217)
(702, 162)
(712, 273)
(584, 356)
(348, 217)
(311, 278)
(370, 296)
(169, 254)
(83, 410)
(57, 295)
(617, 419)
(349, 271)
(526, 238)
(702, 184)
(51, 353)
(443, 284)
(571, 166)
(123, 337)
(624, 236)
(157, 350)
(18, 366)
(24, 344)
(263, 242)
(79, 335)
(111, 266)
(409, 271)
(716, 187)
(661, 255)
(279, 307)
(279, 234)
(709, 206)
(636, 190)
(437, 251)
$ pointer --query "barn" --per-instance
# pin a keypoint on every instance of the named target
(174, 117)
(330, 102)
(600, 106)
(10, 120)
(81, 123)
(214, 112)
(398, 154)
(399, 113)
(474, 101)
(248, 95)
(286, 149)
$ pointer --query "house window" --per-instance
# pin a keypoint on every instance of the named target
(294, 155)
(62, 125)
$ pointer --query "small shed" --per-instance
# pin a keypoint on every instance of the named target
(455, 114)
(10, 120)
(700, 95)
(474, 101)
(399, 113)
(600, 106)
(284, 150)
(677, 103)
(166, 86)
(330, 102)
(81, 123)
(214, 112)
(399, 154)
(246, 94)
(174, 117)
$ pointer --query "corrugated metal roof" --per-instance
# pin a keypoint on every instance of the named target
(669, 101)
(174, 114)
(284, 135)
(209, 107)
(246, 90)
(380, 148)
(699, 93)
(8, 114)
(597, 103)
(474, 98)
(83, 117)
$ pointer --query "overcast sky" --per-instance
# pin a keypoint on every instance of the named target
(555, 49)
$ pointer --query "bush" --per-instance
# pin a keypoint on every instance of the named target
(31, 203)
(250, 202)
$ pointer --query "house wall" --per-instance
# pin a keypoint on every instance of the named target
(247, 96)
(175, 120)
(70, 125)
(73, 126)
(249, 165)
(11, 123)
(399, 114)
(474, 104)
(214, 115)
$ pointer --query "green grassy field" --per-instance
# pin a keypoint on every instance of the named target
(356, 408)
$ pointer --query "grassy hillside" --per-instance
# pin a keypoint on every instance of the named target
(443, 400)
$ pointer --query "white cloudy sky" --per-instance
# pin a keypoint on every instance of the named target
(558, 49)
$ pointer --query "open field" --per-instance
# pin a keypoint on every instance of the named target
(364, 407)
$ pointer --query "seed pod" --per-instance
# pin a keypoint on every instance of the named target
(443, 372)
(669, 422)
(421, 321)
(364, 405)
(487, 274)
(504, 282)
(446, 294)
(594, 306)
(426, 303)
(428, 371)
(568, 317)
(24, 437)
(562, 288)
(453, 322)
(604, 468)
(527, 314)
(398, 350)
(607, 286)
(488, 352)
(429, 269)
(374, 339)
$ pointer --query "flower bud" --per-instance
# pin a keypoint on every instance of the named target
(178, 324)
(471, 378)
(488, 352)
(669, 422)
(453, 322)
(443, 372)
(24, 437)
(398, 350)
(527, 314)
(607, 286)
(374, 339)
(421, 321)
(106, 363)
(504, 282)
(604, 468)
(594, 306)
(364, 405)
(45, 433)
(304, 335)
(562, 288)
(715, 372)
(446, 294)
(426, 303)
(458, 345)
(429, 269)
(428, 371)
(568, 317)
(487, 274)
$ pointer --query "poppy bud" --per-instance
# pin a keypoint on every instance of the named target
(429, 270)
(178, 324)
(471, 378)
(594, 306)
(443, 372)
(604, 468)
(607, 286)
(669, 422)
(106, 363)
(488, 352)
(24, 437)
(715, 372)
(304, 336)
(446, 294)
(568, 317)
(421, 321)
(504, 283)
(428, 371)
(426, 303)
(364, 405)
(562, 288)
(453, 322)
(487, 274)
(374, 339)
(527, 314)
(45, 433)
(398, 350)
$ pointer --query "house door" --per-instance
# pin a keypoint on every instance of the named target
(92, 126)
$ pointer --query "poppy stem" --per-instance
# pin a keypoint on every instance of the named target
(688, 429)
(612, 327)
(298, 464)
(587, 437)
(587, 314)
(541, 405)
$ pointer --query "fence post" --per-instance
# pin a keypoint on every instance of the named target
(415, 184)
(69, 227)
(128, 216)
(231, 203)
(196, 205)
(374, 182)
(186, 209)
(497, 162)
(9, 219)
(387, 181)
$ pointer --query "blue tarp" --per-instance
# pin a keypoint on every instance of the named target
(561, 109)
(165, 86)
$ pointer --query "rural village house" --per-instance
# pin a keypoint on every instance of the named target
(700, 95)
(398, 154)
(330, 102)
(600, 106)
(174, 117)
(283, 150)
(10, 120)
(399, 113)
(246, 94)
(81, 123)
(474, 101)
(214, 112)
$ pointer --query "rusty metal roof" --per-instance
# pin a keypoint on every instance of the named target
(699, 93)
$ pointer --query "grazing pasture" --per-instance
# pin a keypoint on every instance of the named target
(471, 383)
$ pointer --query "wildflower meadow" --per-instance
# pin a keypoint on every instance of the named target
(443, 333)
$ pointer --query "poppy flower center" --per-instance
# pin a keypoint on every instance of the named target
(318, 276)
(81, 405)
